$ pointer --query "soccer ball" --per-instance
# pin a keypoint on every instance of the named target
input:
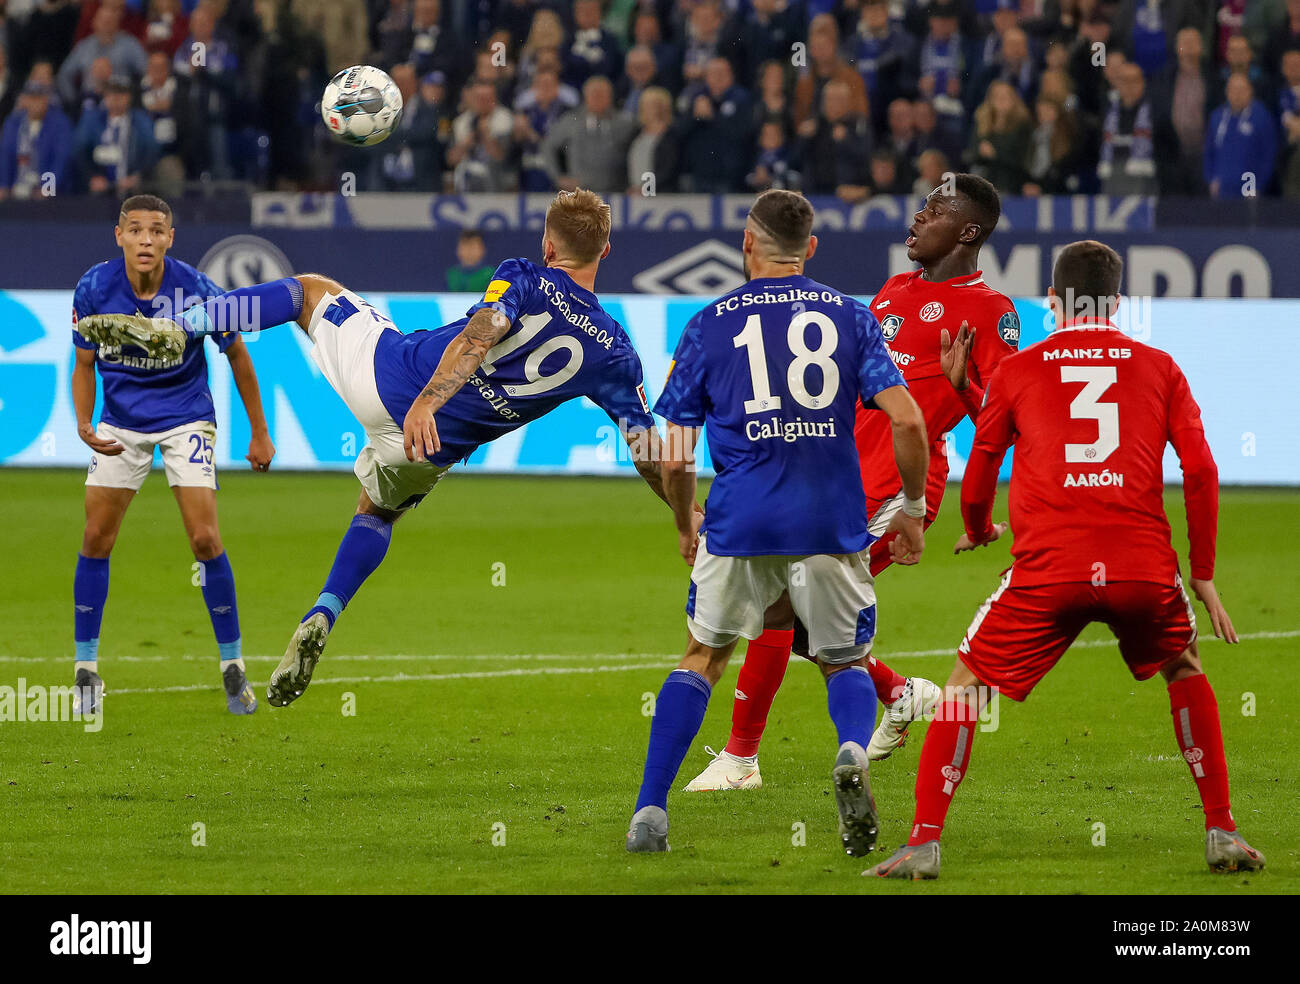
(361, 105)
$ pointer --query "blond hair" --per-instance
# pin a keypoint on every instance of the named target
(579, 222)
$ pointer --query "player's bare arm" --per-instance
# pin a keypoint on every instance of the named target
(461, 359)
(83, 401)
(647, 455)
(260, 448)
(678, 472)
(912, 455)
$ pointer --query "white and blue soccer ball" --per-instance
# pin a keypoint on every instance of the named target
(361, 105)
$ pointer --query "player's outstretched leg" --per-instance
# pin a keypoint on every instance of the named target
(359, 554)
(1200, 738)
(736, 767)
(945, 756)
(851, 700)
(161, 338)
(916, 700)
(679, 712)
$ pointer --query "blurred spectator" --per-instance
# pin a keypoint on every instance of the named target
(207, 73)
(1004, 18)
(703, 40)
(901, 137)
(656, 150)
(392, 40)
(1127, 165)
(1052, 151)
(1289, 111)
(481, 142)
(1012, 64)
(587, 147)
(719, 142)
(775, 167)
(942, 61)
(838, 155)
(341, 25)
(493, 65)
(773, 105)
(1145, 29)
(536, 111)
(166, 28)
(933, 133)
(470, 275)
(413, 156)
(1182, 98)
(47, 35)
(1283, 37)
(592, 50)
(884, 55)
(825, 65)
(125, 54)
(115, 145)
(999, 143)
(158, 98)
(129, 16)
(647, 33)
(766, 32)
(516, 16)
(639, 74)
(1240, 144)
(93, 86)
(932, 165)
(36, 141)
(546, 35)
(1229, 19)
(1241, 59)
(430, 46)
(887, 175)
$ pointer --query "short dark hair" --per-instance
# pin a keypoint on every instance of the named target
(1086, 276)
(786, 216)
(145, 203)
(982, 204)
(467, 235)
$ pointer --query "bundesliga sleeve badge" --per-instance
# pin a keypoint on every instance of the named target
(1009, 328)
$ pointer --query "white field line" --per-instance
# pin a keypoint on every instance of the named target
(660, 661)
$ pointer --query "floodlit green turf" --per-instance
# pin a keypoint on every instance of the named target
(520, 705)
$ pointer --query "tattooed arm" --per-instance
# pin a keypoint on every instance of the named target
(461, 359)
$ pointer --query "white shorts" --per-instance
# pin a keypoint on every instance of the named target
(885, 514)
(186, 453)
(834, 595)
(345, 353)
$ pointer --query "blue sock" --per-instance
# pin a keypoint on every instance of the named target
(679, 712)
(851, 699)
(247, 309)
(362, 550)
(219, 596)
(89, 592)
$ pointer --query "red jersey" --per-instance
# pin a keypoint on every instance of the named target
(1090, 411)
(912, 311)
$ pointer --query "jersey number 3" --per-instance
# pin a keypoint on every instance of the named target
(1097, 380)
(751, 339)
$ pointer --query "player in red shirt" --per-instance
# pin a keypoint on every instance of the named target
(1089, 410)
(947, 331)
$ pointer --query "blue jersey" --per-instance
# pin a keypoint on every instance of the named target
(774, 371)
(140, 393)
(561, 345)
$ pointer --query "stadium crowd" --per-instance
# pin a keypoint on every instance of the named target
(850, 98)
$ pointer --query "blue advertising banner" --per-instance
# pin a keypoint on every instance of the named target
(1250, 403)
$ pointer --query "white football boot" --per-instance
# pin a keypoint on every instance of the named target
(726, 771)
(918, 700)
(293, 674)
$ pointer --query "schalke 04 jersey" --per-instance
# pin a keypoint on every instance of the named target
(141, 393)
(774, 371)
(561, 345)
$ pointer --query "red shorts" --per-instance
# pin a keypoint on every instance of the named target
(881, 513)
(1020, 632)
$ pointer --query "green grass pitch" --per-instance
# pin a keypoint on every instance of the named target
(498, 733)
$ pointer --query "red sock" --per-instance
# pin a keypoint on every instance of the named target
(1196, 725)
(760, 678)
(888, 683)
(944, 758)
